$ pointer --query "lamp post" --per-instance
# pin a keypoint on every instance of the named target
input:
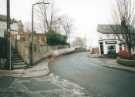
(32, 28)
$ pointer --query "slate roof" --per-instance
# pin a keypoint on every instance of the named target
(3, 18)
(111, 29)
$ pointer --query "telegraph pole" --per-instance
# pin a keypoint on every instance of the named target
(8, 36)
(31, 40)
(8, 15)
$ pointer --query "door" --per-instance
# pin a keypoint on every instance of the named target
(101, 48)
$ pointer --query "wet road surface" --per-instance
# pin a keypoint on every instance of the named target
(98, 80)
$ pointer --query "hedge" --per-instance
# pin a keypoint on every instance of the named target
(126, 62)
(54, 38)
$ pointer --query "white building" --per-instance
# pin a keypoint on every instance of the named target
(108, 42)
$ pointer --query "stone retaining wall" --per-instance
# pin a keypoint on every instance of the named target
(55, 53)
(63, 51)
(39, 52)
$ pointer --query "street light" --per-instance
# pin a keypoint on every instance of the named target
(32, 25)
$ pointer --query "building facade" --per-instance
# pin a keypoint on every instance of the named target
(3, 25)
(108, 41)
(16, 26)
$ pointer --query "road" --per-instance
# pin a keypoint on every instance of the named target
(90, 74)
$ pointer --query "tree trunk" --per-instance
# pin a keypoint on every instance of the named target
(129, 52)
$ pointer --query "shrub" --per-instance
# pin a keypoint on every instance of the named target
(126, 62)
(123, 54)
(54, 38)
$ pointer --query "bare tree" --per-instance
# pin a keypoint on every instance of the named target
(20, 26)
(47, 16)
(79, 42)
(124, 18)
(67, 26)
(27, 27)
(50, 20)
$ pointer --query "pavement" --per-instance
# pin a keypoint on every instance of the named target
(112, 63)
(35, 71)
(37, 82)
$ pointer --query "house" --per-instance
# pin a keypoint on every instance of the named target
(108, 41)
(3, 25)
(17, 31)
(16, 26)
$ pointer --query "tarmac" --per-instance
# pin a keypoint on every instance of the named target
(46, 84)
(37, 81)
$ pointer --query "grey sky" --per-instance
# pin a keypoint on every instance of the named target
(86, 14)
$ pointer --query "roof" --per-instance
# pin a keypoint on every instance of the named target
(111, 29)
(3, 18)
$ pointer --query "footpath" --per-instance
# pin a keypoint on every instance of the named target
(38, 82)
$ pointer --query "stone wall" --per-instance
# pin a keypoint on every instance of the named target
(39, 51)
(23, 50)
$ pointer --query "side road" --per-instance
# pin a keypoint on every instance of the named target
(38, 82)
(111, 63)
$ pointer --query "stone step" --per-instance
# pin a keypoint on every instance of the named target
(17, 61)
(19, 66)
(14, 60)
(14, 54)
(15, 57)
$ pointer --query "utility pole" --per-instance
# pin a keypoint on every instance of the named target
(8, 36)
(8, 14)
(31, 40)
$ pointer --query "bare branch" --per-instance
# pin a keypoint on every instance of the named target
(125, 14)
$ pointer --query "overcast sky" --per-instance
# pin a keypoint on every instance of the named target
(86, 14)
